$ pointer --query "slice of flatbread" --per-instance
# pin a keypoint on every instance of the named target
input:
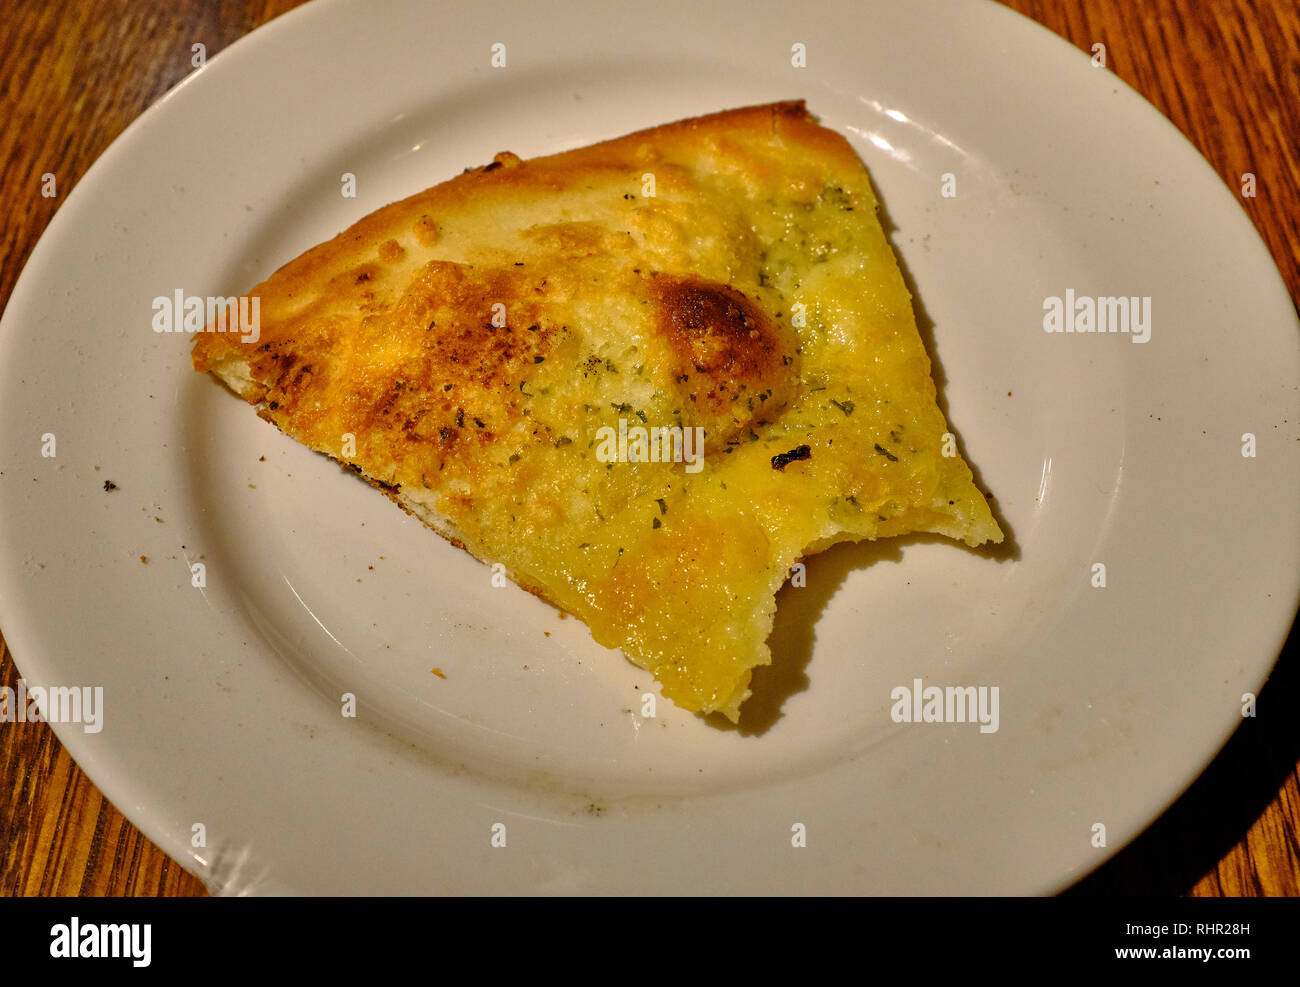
(524, 357)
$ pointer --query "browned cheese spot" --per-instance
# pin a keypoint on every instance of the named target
(732, 364)
(426, 231)
(459, 389)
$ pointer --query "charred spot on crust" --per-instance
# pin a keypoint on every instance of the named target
(504, 159)
(388, 488)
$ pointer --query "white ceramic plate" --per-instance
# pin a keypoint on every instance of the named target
(221, 704)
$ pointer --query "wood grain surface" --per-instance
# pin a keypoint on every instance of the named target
(1226, 72)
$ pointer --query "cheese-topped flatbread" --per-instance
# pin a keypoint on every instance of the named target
(646, 376)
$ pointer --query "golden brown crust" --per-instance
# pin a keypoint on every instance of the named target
(332, 278)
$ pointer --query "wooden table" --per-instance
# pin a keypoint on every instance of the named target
(1226, 72)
